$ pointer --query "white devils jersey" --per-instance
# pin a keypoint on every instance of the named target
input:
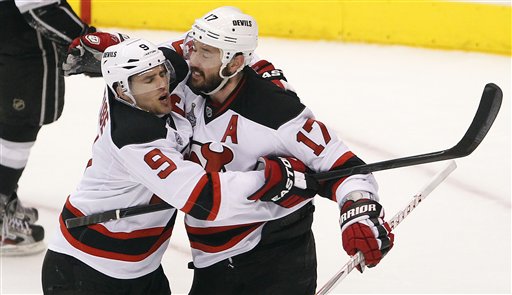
(259, 119)
(137, 160)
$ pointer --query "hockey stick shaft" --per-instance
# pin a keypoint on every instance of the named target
(487, 111)
(486, 114)
(393, 223)
(115, 214)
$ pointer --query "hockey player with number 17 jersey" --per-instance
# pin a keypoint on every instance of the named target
(239, 117)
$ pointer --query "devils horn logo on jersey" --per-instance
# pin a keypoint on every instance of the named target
(213, 156)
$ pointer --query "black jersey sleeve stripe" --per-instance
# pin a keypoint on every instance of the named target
(215, 181)
(328, 188)
(98, 241)
(204, 201)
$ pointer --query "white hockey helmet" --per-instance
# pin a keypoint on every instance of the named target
(128, 58)
(228, 29)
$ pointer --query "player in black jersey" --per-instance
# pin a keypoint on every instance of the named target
(35, 36)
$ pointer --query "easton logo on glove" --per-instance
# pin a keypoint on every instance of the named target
(286, 183)
(289, 179)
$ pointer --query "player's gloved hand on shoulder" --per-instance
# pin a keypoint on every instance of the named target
(84, 53)
(363, 228)
(268, 72)
(286, 182)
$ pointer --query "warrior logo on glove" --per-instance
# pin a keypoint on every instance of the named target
(366, 208)
(363, 229)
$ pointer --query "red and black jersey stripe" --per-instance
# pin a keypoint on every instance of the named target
(217, 239)
(262, 66)
(204, 201)
(97, 240)
(328, 188)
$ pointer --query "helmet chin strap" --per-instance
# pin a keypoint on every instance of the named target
(225, 80)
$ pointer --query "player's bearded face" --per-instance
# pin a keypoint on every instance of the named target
(151, 90)
(205, 63)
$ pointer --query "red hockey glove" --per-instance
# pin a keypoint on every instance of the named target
(363, 229)
(84, 53)
(268, 72)
(286, 184)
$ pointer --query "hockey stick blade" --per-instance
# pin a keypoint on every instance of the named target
(115, 214)
(484, 118)
(486, 113)
(358, 258)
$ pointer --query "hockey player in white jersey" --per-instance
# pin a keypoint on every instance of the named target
(239, 117)
(137, 159)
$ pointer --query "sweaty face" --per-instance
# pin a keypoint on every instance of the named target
(205, 63)
(151, 90)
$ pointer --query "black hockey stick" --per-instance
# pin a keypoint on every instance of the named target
(115, 214)
(488, 109)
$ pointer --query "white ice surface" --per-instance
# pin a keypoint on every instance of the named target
(385, 102)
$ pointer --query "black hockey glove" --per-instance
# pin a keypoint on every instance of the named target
(286, 182)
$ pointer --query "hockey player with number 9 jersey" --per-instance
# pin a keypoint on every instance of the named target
(137, 160)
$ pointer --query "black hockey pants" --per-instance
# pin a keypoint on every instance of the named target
(31, 78)
(63, 274)
(283, 263)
